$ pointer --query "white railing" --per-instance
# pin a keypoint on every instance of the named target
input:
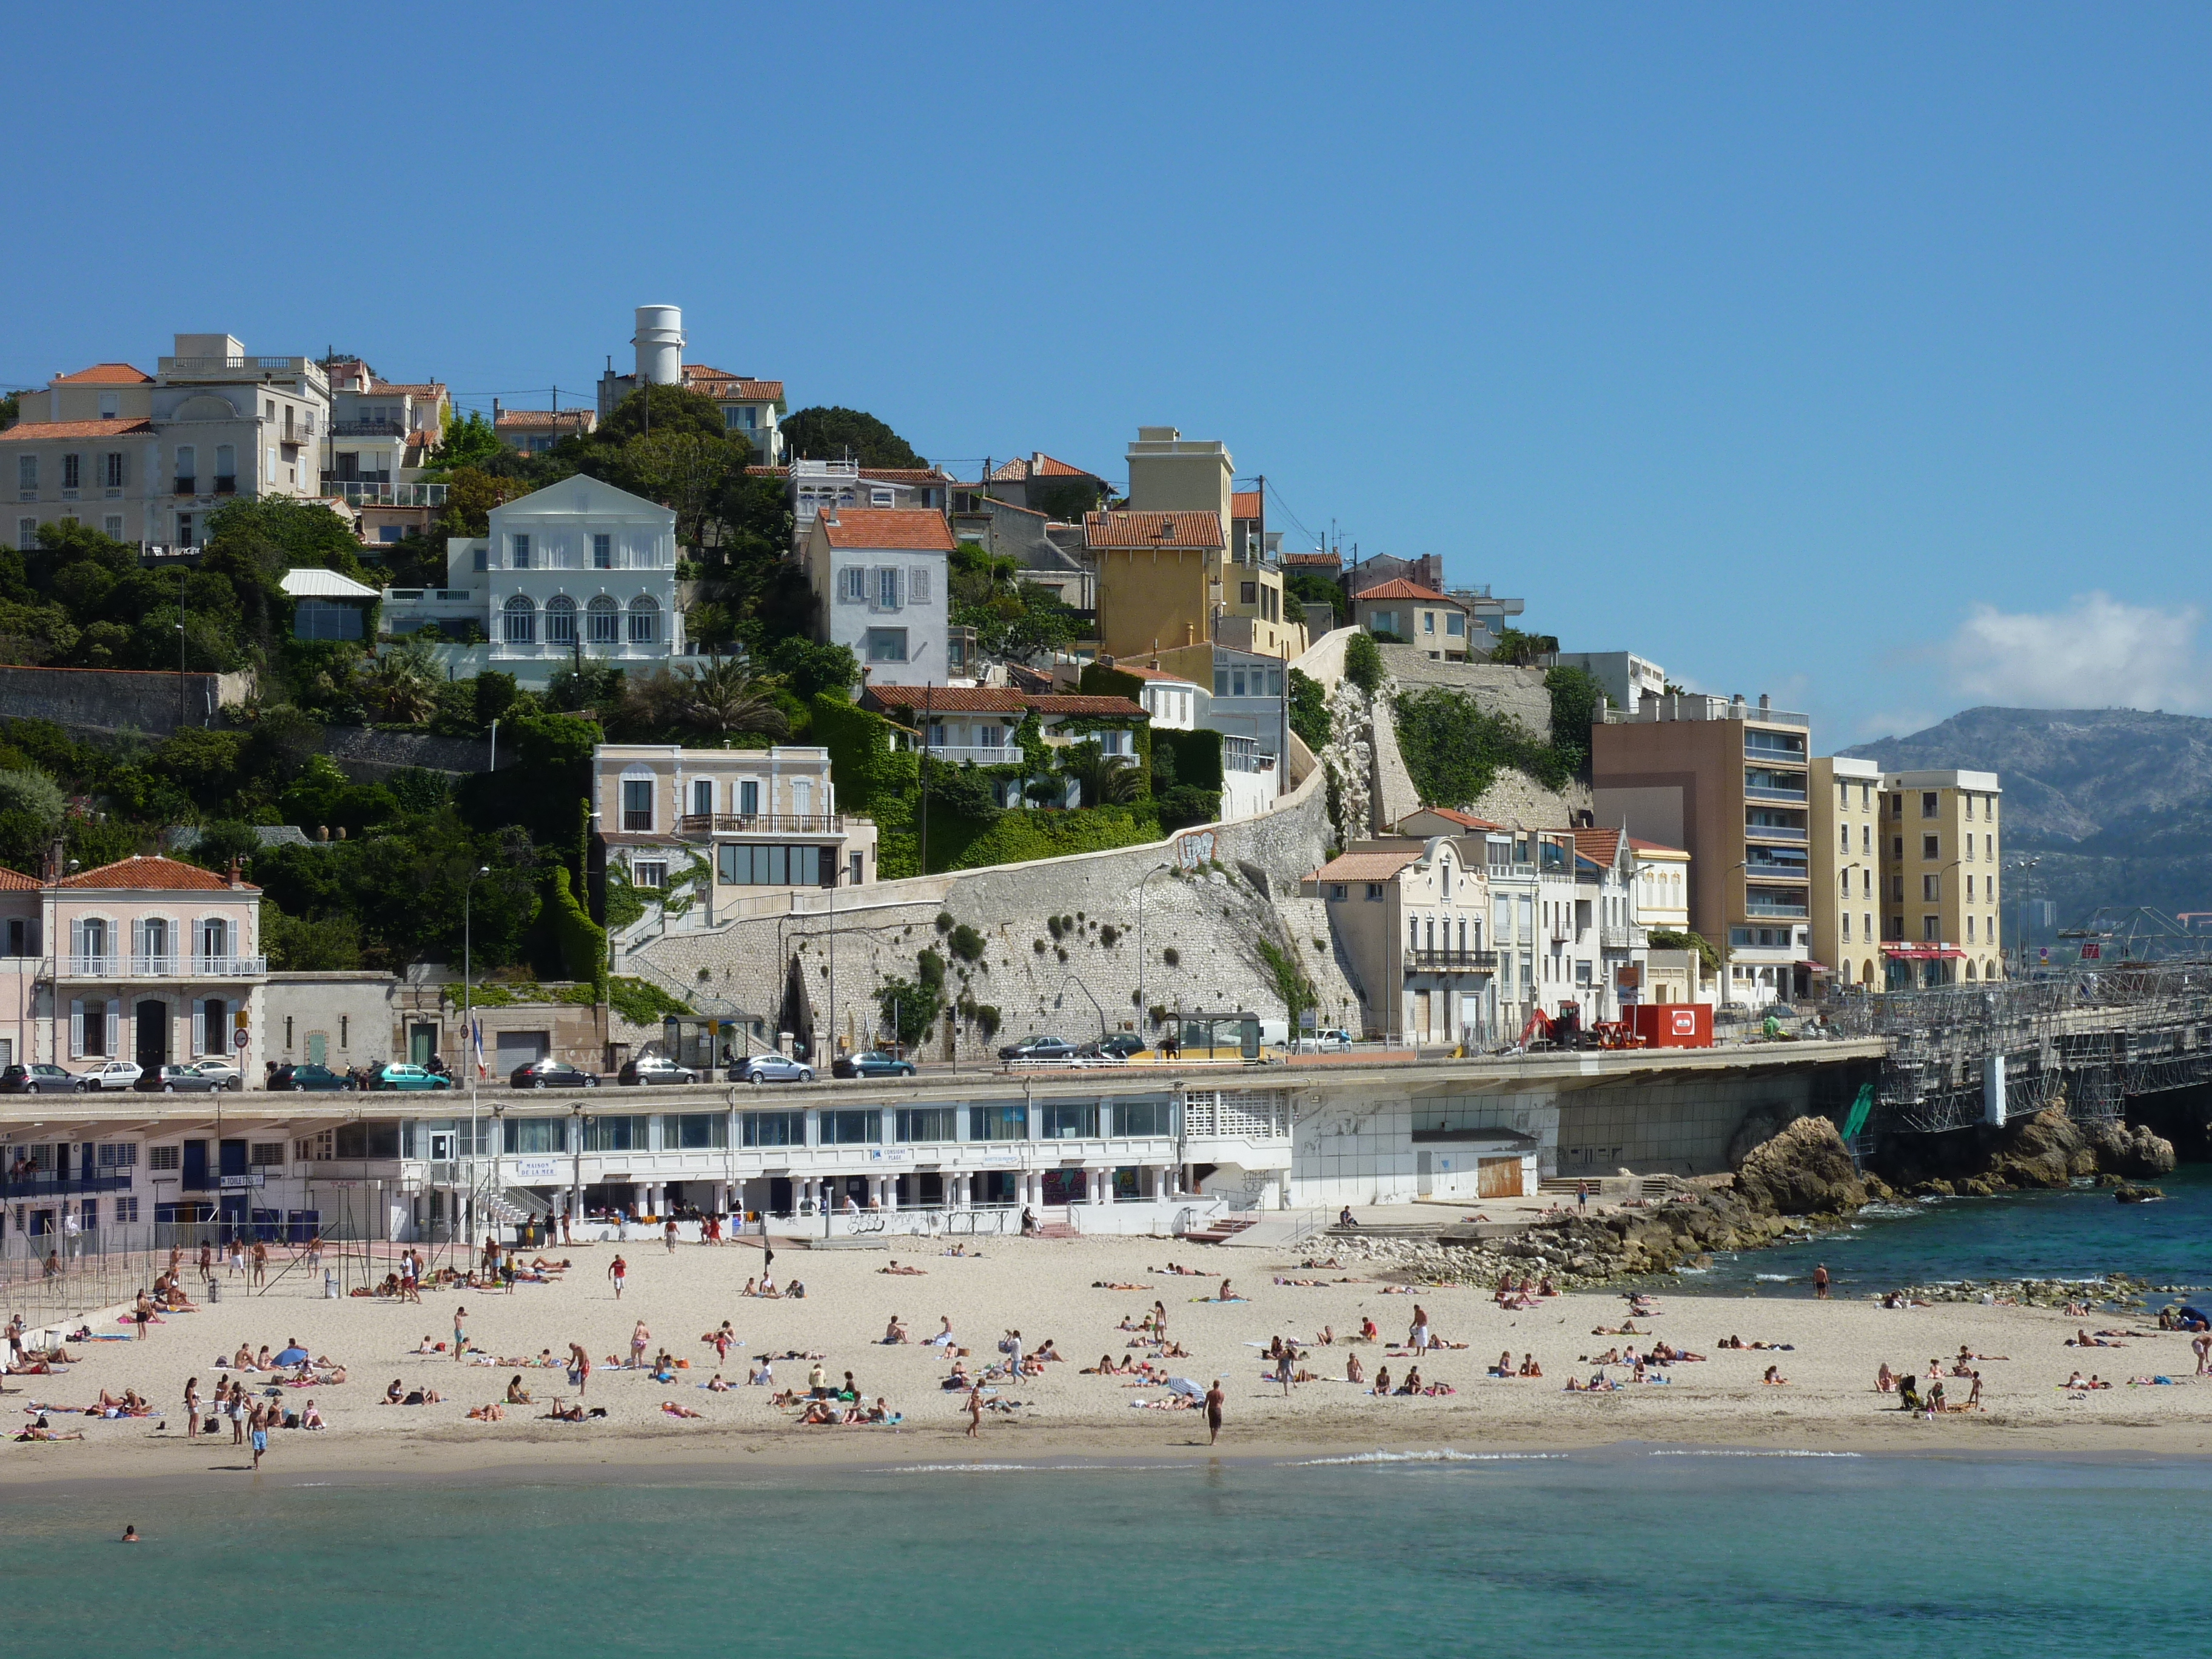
(357, 494)
(165, 967)
(1213, 1114)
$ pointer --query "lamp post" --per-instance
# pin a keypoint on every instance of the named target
(577, 1121)
(468, 1037)
(1059, 997)
(1142, 1005)
(1727, 940)
(2020, 935)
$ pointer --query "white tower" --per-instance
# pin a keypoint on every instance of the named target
(659, 343)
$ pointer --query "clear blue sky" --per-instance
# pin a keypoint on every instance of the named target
(1851, 356)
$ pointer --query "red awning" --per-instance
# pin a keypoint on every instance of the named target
(1923, 953)
(1816, 968)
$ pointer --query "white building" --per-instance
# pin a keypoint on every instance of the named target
(578, 569)
(146, 458)
(1631, 684)
(880, 576)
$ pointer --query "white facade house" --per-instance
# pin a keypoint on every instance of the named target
(578, 569)
(1172, 700)
(879, 577)
(147, 457)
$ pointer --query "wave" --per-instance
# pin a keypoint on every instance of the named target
(1777, 1279)
(1441, 1455)
(1029, 1469)
(1728, 1452)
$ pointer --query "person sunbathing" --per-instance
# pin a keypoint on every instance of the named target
(1774, 1378)
(392, 1395)
(895, 1332)
(1104, 1368)
(1610, 1356)
(561, 1413)
(818, 1413)
(491, 1412)
(1413, 1383)
(1504, 1365)
(1884, 1381)
(675, 1410)
(902, 1273)
(516, 1393)
(2081, 1338)
(309, 1417)
(40, 1431)
(1529, 1367)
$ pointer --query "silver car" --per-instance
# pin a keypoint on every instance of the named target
(770, 1068)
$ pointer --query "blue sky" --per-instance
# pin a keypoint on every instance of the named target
(1858, 355)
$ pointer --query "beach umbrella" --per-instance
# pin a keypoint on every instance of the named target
(291, 1355)
(1185, 1387)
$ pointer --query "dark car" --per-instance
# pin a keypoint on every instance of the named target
(37, 1080)
(309, 1076)
(870, 1062)
(654, 1068)
(175, 1080)
(770, 1068)
(1038, 1047)
(552, 1074)
(1120, 1046)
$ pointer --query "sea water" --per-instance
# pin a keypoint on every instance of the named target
(1627, 1549)
(2078, 1232)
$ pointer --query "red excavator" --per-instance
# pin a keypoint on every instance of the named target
(1566, 1030)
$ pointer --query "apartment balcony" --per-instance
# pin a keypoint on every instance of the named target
(120, 967)
(226, 486)
(1768, 792)
(187, 485)
(761, 823)
(368, 428)
(1778, 912)
(1451, 962)
(1795, 874)
(45, 1183)
(1773, 832)
(1623, 938)
(952, 754)
(363, 493)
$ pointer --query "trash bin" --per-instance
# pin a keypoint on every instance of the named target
(330, 1285)
(214, 1290)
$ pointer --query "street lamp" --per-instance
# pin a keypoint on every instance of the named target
(2020, 935)
(1728, 943)
(1142, 1005)
(468, 1038)
(1059, 997)
(577, 1121)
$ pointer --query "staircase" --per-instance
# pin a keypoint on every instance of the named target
(1222, 1229)
(511, 1206)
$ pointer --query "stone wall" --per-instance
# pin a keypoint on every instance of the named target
(370, 755)
(118, 700)
(1495, 688)
(1212, 919)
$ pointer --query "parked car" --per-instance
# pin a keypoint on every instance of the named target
(870, 1062)
(1323, 1043)
(177, 1080)
(36, 1080)
(654, 1068)
(770, 1068)
(224, 1074)
(552, 1074)
(400, 1075)
(1101, 1051)
(308, 1075)
(1038, 1047)
(110, 1074)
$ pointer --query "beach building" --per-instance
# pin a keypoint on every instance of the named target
(1412, 916)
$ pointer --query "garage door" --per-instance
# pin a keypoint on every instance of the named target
(520, 1047)
(1498, 1177)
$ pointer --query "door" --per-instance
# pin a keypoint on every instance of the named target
(422, 1044)
(196, 1166)
(150, 1021)
(319, 1047)
(1498, 1177)
(1424, 1172)
(520, 1048)
(1421, 1014)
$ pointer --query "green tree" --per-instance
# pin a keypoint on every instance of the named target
(1453, 750)
(656, 410)
(1066, 500)
(809, 668)
(726, 698)
(1575, 697)
(1363, 663)
(1309, 710)
(833, 434)
(1106, 780)
(910, 1007)
(1521, 649)
(1311, 587)
(468, 440)
(685, 472)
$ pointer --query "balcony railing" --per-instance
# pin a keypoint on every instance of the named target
(1764, 792)
(1792, 912)
(952, 754)
(187, 485)
(118, 966)
(1622, 938)
(1773, 832)
(1447, 962)
(360, 493)
(1793, 872)
(368, 428)
(762, 824)
(45, 1183)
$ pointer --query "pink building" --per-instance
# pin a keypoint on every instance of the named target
(148, 959)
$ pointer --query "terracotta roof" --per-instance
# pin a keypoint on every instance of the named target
(152, 875)
(1366, 867)
(1399, 588)
(721, 384)
(1037, 465)
(1319, 560)
(906, 475)
(106, 374)
(15, 881)
(1246, 504)
(1152, 530)
(1599, 845)
(412, 388)
(948, 699)
(1465, 820)
(1655, 847)
(1153, 674)
(918, 529)
(1064, 703)
(543, 417)
(35, 431)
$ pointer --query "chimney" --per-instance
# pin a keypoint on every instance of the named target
(1765, 701)
(236, 881)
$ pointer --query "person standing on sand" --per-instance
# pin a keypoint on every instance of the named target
(1582, 1194)
(260, 1432)
(639, 1340)
(975, 1412)
(1214, 1397)
(460, 1334)
(618, 1270)
(1820, 1282)
(192, 1408)
(260, 1262)
(668, 1233)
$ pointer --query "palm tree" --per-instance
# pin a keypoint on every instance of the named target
(1107, 780)
(726, 698)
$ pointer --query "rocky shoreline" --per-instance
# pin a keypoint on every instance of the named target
(1788, 1186)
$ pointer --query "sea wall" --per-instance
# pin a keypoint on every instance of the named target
(101, 699)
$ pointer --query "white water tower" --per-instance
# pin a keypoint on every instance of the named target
(659, 343)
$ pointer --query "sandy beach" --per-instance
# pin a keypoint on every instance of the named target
(1048, 1289)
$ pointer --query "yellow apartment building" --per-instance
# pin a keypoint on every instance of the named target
(1941, 845)
(1846, 806)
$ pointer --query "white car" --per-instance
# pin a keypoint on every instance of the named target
(225, 1074)
(110, 1074)
(1323, 1043)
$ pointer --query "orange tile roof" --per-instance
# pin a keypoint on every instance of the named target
(1465, 820)
(721, 384)
(1326, 560)
(1128, 530)
(1366, 867)
(543, 417)
(106, 374)
(1399, 588)
(1599, 845)
(948, 699)
(1066, 703)
(1037, 465)
(152, 875)
(33, 431)
(1153, 674)
(916, 529)
(1655, 847)
(404, 388)
(15, 881)
(1246, 504)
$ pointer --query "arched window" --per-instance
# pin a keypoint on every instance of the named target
(521, 621)
(560, 620)
(644, 620)
(603, 616)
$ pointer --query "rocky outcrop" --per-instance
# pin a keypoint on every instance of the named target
(1804, 1170)
(2050, 1149)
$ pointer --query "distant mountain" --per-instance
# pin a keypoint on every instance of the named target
(2117, 803)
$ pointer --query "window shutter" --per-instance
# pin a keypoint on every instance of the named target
(199, 1028)
(76, 1028)
(918, 587)
(76, 937)
(114, 1012)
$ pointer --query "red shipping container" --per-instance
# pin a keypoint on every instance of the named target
(1674, 1024)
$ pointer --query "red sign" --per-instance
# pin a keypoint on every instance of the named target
(1673, 1024)
(2092, 952)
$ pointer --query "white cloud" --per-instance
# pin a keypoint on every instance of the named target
(2096, 654)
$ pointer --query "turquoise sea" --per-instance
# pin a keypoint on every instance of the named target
(1628, 1549)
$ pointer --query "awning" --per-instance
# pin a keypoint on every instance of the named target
(1923, 953)
(1816, 968)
